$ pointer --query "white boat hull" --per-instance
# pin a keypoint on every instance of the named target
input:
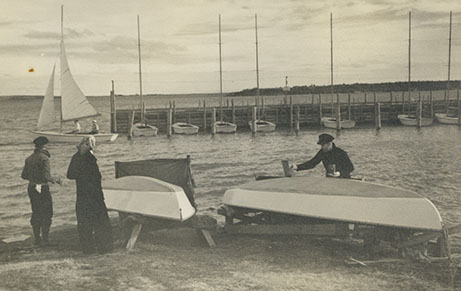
(185, 128)
(147, 196)
(58, 137)
(262, 126)
(338, 199)
(225, 127)
(445, 119)
(139, 129)
(331, 123)
(407, 120)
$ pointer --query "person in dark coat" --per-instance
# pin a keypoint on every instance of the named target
(37, 171)
(335, 160)
(94, 228)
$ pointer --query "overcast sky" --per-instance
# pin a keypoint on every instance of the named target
(179, 41)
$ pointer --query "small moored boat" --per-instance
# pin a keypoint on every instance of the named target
(142, 129)
(185, 128)
(410, 120)
(338, 199)
(225, 127)
(147, 196)
(329, 122)
(446, 118)
(262, 126)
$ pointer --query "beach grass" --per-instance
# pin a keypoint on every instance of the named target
(179, 260)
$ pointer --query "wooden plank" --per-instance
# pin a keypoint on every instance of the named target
(206, 234)
(134, 236)
(290, 229)
(420, 239)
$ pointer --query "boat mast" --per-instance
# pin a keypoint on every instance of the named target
(331, 62)
(257, 66)
(140, 76)
(449, 64)
(62, 45)
(409, 61)
(220, 73)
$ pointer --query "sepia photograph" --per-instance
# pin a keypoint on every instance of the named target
(230, 145)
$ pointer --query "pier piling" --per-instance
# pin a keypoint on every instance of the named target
(213, 121)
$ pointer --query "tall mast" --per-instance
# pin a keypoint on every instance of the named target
(449, 60)
(220, 73)
(409, 57)
(140, 75)
(331, 60)
(257, 63)
(62, 46)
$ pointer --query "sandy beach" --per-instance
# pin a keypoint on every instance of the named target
(178, 260)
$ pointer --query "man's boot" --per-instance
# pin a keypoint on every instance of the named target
(36, 229)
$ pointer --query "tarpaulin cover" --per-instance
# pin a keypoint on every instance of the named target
(174, 171)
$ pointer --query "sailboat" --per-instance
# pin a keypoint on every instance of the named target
(447, 118)
(261, 125)
(407, 119)
(222, 126)
(74, 105)
(335, 122)
(142, 128)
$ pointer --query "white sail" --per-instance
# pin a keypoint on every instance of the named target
(74, 104)
(47, 115)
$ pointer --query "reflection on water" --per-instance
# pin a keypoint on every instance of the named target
(426, 161)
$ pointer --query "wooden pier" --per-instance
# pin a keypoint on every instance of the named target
(286, 115)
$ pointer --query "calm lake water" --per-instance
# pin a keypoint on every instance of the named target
(427, 161)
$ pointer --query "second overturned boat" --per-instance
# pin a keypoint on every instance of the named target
(411, 120)
(329, 122)
(147, 196)
(338, 199)
(262, 126)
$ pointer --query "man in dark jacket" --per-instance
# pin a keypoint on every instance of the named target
(335, 160)
(37, 171)
(94, 228)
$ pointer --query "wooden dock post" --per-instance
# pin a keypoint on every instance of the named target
(378, 115)
(169, 122)
(213, 121)
(320, 110)
(459, 107)
(374, 98)
(392, 97)
(233, 111)
(227, 101)
(338, 116)
(291, 112)
(365, 101)
(262, 106)
(349, 108)
(419, 113)
(253, 120)
(297, 119)
(403, 102)
(113, 110)
(204, 116)
(174, 112)
(432, 104)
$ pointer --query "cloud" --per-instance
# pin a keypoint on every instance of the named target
(209, 28)
(69, 33)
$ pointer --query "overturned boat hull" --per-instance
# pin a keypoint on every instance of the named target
(139, 129)
(338, 199)
(148, 197)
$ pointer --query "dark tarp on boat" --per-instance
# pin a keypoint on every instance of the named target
(174, 171)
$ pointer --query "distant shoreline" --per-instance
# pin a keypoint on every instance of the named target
(295, 90)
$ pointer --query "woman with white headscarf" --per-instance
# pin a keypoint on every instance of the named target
(94, 228)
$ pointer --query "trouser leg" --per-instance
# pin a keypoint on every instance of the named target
(85, 226)
(37, 238)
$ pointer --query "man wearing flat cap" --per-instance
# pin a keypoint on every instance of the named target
(335, 160)
(93, 224)
(37, 171)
